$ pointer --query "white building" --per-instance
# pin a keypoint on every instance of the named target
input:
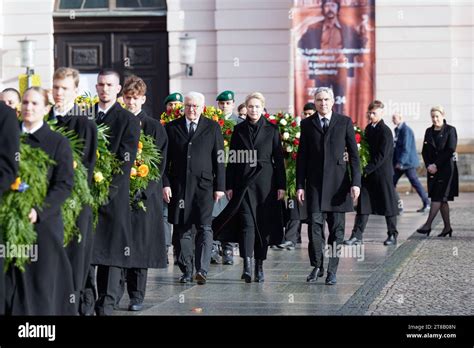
(424, 51)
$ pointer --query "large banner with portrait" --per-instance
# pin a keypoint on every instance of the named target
(334, 44)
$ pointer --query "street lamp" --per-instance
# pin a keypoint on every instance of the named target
(27, 54)
(187, 52)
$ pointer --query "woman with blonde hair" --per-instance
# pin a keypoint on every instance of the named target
(439, 155)
(255, 187)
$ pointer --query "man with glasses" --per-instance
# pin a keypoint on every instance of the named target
(193, 180)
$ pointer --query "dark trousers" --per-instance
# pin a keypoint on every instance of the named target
(293, 231)
(411, 175)
(251, 243)
(109, 285)
(201, 245)
(136, 284)
(361, 220)
(336, 224)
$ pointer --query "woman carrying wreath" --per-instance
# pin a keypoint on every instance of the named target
(46, 287)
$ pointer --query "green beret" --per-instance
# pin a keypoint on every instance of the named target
(174, 97)
(226, 95)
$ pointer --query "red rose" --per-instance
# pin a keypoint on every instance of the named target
(273, 121)
(221, 122)
(168, 112)
(358, 138)
(293, 124)
(267, 115)
(228, 132)
(204, 110)
(296, 142)
(294, 155)
(176, 112)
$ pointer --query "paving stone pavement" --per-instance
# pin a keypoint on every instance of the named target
(438, 277)
(362, 278)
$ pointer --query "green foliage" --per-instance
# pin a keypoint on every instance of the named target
(107, 165)
(144, 170)
(16, 205)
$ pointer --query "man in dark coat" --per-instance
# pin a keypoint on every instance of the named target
(323, 178)
(112, 243)
(71, 117)
(9, 154)
(405, 160)
(194, 179)
(378, 193)
(148, 237)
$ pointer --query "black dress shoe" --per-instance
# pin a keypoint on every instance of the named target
(259, 278)
(391, 240)
(315, 273)
(353, 241)
(201, 277)
(135, 307)
(186, 278)
(331, 278)
(247, 273)
(427, 232)
(446, 233)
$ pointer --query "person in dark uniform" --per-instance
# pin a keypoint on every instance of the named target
(242, 110)
(148, 237)
(439, 155)
(46, 286)
(193, 179)
(171, 238)
(296, 213)
(255, 185)
(322, 177)
(226, 103)
(9, 154)
(71, 117)
(112, 242)
(378, 193)
(11, 97)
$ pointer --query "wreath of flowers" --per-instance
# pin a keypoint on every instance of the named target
(170, 115)
(289, 127)
(362, 146)
(144, 169)
(29, 190)
(227, 126)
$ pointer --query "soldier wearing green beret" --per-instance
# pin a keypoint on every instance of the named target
(172, 100)
(226, 102)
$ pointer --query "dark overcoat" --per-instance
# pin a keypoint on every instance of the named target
(258, 180)
(9, 148)
(377, 194)
(148, 234)
(46, 286)
(322, 168)
(194, 171)
(80, 252)
(444, 184)
(113, 233)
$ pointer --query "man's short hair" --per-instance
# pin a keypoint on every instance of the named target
(134, 85)
(63, 72)
(309, 106)
(328, 90)
(376, 104)
(196, 95)
(106, 72)
(334, 1)
(12, 90)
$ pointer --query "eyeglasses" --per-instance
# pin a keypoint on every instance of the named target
(189, 106)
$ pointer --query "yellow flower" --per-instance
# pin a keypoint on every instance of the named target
(143, 170)
(74, 164)
(140, 145)
(133, 172)
(97, 153)
(215, 118)
(16, 185)
(226, 142)
(98, 177)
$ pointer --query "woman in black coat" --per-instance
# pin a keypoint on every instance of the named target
(46, 287)
(255, 181)
(439, 146)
